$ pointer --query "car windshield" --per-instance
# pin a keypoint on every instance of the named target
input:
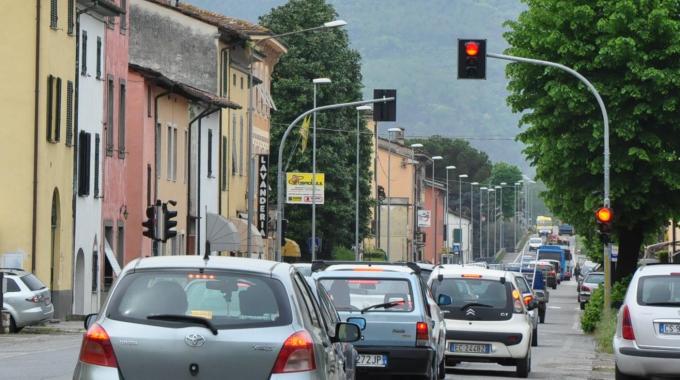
(659, 291)
(228, 299)
(32, 282)
(355, 294)
(535, 241)
(490, 298)
(594, 278)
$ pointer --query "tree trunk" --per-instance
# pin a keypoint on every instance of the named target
(630, 241)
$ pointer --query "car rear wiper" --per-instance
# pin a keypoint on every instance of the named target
(184, 318)
(474, 304)
(662, 304)
(384, 305)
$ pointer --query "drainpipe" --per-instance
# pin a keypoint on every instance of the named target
(154, 251)
(36, 128)
(207, 112)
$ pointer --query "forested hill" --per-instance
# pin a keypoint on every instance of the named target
(411, 46)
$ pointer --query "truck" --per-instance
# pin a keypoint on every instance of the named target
(544, 225)
(554, 252)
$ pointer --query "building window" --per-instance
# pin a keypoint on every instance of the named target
(225, 73)
(108, 269)
(97, 141)
(54, 7)
(240, 160)
(241, 83)
(169, 153)
(99, 57)
(186, 155)
(158, 150)
(57, 112)
(69, 113)
(53, 116)
(121, 120)
(233, 80)
(120, 244)
(83, 55)
(174, 154)
(49, 117)
(71, 9)
(210, 153)
(223, 164)
(234, 158)
(149, 96)
(95, 270)
(123, 17)
(84, 145)
(109, 115)
(148, 185)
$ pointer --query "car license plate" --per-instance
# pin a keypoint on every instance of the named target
(669, 328)
(470, 348)
(372, 361)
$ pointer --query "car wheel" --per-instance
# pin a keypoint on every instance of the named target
(541, 315)
(13, 325)
(618, 375)
(554, 287)
(534, 337)
(583, 305)
(524, 366)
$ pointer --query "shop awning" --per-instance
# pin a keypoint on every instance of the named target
(222, 234)
(257, 247)
(291, 249)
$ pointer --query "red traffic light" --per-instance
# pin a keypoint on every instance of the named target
(471, 48)
(604, 215)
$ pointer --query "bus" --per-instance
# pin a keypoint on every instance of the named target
(544, 225)
(554, 252)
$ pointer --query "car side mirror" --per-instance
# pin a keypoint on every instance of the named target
(617, 304)
(444, 300)
(346, 332)
(89, 320)
(360, 322)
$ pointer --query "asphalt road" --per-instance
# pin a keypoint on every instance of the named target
(38, 356)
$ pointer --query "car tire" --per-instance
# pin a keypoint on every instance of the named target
(534, 337)
(618, 375)
(554, 287)
(523, 366)
(541, 315)
(13, 325)
(582, 305)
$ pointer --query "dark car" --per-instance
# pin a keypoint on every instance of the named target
(566, 229)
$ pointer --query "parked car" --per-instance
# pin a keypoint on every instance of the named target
(486, 318)
(566, 229)
(549, 274)
(647, 339)
(528, 296)
(590, 282)
(26, 298)
(170, 317)
(403, 329)
(534, 243)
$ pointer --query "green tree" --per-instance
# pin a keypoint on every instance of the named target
(311, 55)
(503, 172)
(630, 51)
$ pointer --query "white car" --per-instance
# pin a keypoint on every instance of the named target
(534, 243)
(486, 318)
(647, 339)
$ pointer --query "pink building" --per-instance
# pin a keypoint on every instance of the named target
(434, 235)
(115, 207)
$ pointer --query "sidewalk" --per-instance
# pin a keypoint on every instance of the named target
(603, 366)
(56, 327)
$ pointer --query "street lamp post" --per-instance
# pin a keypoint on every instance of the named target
(446, 207)
(495, 219)
(415, 196)
(251, 110)
(460, 213)
(472, 218)
(481, 201)
(356, 190)
(516, 216)
(434, 209)
(315, 82)
(488, 222)
(389, 187)
(502, 232)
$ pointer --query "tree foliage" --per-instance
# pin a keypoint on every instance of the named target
(630, 51)
(503, 172)
(311, 55)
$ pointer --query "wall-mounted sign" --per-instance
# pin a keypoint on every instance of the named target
(424, 218)
(299, 188)
(262, 192)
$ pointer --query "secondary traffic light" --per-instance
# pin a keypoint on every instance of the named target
(604, 217)
(471, 59)
(385, 111)
(169, 223)
(150, 224)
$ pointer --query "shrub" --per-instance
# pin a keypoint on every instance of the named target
(375, 254)
(591, 316)
(342, 253)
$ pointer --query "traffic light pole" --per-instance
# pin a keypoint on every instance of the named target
(605, 118)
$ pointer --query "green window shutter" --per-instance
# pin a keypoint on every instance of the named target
(57, 112)
(69, 113)
(50, 91)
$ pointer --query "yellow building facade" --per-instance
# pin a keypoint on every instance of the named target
(36, 153)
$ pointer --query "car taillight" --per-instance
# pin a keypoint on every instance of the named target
(517, 302)
(34, 299)
(97, 349)
(528, 299)
(627, 325)
(296, 355)
(422, 334)
(585, 288)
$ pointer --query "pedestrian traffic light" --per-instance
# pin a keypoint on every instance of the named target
(471, 59)
(169, 223)
(604, 217)
(150, 224)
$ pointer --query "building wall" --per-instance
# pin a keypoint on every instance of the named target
(453, 224)
(88, 205)
(209, 180)
(434, 243)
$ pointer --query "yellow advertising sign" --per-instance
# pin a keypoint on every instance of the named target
(299, 188)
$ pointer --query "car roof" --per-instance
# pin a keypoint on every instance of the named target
(214, 262)
(658, 269)
(14, 271)
(357, 271)
(460, 270)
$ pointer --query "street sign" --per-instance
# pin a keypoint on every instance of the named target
(318, 243)
(299, 188)
(262, 192)
(424, 218)
(614, 254)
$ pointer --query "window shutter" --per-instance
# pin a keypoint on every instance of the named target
(50, 87)
(83, 58)
(99, 57)
(71, 9)
(121, 120)
(53, 14)
(240, 159)
(223, 165)
(57, 112)
(69, 113)
(157, 138)
(97, 141)
(109, 115)
(83, 163)
(210, 152)
(123, 17)
(234, 158)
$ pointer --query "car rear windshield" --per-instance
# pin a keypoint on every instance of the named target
(489, 299)
(32, 282)
(354, 294)
(535, 241)
(659, 291)
(594, 278)
(230, 300)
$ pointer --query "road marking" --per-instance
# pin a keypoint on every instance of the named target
(554, 307)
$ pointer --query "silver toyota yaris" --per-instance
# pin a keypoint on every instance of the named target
(183, 317)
